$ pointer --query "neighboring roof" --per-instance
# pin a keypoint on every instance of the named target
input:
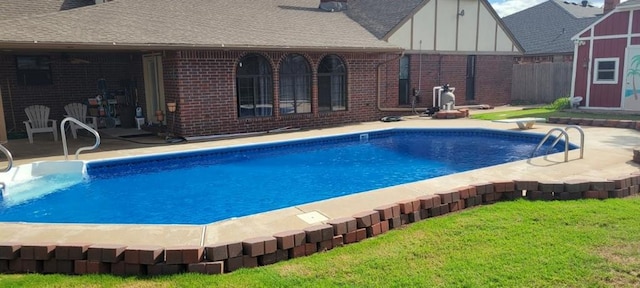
(578, 10)
(629, 3)
(547, 28)
(171, 24)
(11, 9)
(380, 16)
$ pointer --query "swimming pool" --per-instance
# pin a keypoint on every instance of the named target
(204, 186)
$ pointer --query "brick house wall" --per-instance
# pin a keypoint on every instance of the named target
(494, 75)
(544, 58)
(390, 82)
(203, 85)
(492, 83)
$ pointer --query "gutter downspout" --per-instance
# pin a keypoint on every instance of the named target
(576, 48)
(379, 92)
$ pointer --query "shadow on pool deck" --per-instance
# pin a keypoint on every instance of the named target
(44, 148)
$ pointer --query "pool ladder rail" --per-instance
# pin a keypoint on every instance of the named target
(9, 166)
(64, 137)
(7, 153)
(563, 133)
(11, 177)
(9, 159)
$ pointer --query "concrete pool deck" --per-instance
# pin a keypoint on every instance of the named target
(608, 153)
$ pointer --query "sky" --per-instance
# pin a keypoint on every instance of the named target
(508, 7)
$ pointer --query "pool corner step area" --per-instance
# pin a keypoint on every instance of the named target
(18, 182)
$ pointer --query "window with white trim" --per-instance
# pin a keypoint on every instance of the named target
(606, 71)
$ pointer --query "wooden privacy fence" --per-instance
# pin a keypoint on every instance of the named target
(538, 83)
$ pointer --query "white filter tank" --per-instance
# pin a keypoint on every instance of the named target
(447, 99)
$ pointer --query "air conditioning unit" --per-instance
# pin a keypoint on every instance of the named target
(102, 1)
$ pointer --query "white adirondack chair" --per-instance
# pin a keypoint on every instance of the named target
(39, 122)
(79, 111)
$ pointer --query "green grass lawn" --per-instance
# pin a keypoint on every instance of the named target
(546, 113)
(584, 243)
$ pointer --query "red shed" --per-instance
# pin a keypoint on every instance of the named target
(606, 65)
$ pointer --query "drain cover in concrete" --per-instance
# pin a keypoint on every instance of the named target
(312, 217)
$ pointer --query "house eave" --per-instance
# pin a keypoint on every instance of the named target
(445, 52)
(549, 53)
(36, 45)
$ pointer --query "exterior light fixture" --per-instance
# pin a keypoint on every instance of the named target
(171, 106)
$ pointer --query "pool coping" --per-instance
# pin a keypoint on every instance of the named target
(605, 159)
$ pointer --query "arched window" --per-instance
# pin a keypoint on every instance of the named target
(295, 85)
(254, 87)
(332, 84)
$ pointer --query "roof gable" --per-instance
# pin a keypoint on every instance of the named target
(465, 26)
(380, 16)
(547, 28)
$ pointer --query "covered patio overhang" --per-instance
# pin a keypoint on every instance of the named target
(55, 77)
(128, 75)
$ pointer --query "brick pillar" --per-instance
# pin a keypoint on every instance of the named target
(610, 5)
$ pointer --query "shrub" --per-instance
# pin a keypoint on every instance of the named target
(559, 104)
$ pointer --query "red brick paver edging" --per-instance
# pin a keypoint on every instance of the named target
(85, 258)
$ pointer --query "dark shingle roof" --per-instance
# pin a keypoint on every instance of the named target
(547, 28)
(11, 9)
(380, 16)
(237, 24)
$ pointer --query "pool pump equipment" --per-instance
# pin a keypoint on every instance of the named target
(443, 97)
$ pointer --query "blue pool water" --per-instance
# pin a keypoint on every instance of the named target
(205, 186)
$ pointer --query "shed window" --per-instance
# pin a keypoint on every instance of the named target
(33, 70)
(606, 71)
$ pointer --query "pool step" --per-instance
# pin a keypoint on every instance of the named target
(37, 179)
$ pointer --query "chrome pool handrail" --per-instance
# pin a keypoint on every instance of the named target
(9, 158)
(64, 137)
(566, 142)
(581, 137)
